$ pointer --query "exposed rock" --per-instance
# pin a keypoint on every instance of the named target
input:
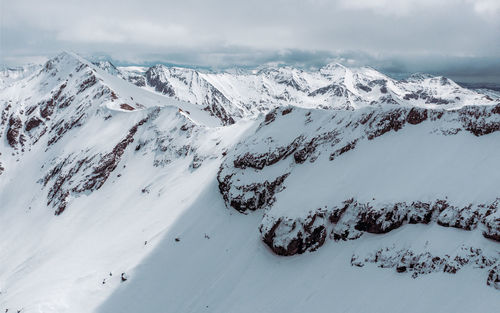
(349, 146)
(162, 86)
(127, 107)
(87, 83)
(259, 161)
(494, 277)
(308, 234)
(492, 223)
(92, 172)
(382, 219)
(420, 263)
(33, 122)
(349, 220)
(386, 121)
(416, 116)
(464, 218)
(249, 197)
(14, 131)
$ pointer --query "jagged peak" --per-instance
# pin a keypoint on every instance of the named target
(105, 65)
(333, 66)
(419, 76)
(171, 69)
(334, 70)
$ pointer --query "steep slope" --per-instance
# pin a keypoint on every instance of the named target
(188, 85)
(116, 197)
(90, 128)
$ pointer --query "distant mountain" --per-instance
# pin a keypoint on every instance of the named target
(9, 75)
(490, 86)
(242, 93)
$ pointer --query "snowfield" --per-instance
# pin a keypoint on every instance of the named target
(167, 189)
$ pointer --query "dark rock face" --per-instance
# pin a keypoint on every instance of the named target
(163, 86)
(363, 87)
(33, 122)
(214, 101)
(382, 220)
(127, 107)
(249, 197)
(422, 212)
(439, 101)
(416, 116)
(259, 161)
(465, 218)
(387, 121)
(108, 162)
(349, 146)
(137, 80)
(87, 83)
(47, 107)
(62, 127)
(492, 223)
(287, 111)
(288, 236)
(93, 171)
(309, 235)
(220, 112)
(13, 131)
(307, 149)
(421, 263)
(494, 277)
(333, 89)
(479, 120)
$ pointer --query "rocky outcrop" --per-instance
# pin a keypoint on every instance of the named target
(33, 122)
(90, 81)
(416, 116)
(308, 234)
(259, 161)
(494, 277)
(14, 131)
(423, 262)
(348, 221)
(252, 196)
(109, 161)
(160, 85)
(163, 79)
(492, 223)
(75, 175)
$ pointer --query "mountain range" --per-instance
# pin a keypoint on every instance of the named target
(169, 189)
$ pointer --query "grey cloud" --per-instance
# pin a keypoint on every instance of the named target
(460, 38)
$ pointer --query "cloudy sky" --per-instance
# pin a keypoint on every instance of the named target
(458, 38)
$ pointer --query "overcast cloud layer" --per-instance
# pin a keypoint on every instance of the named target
(458, 38)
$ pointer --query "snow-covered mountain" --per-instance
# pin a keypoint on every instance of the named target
(242, 94)
(173, 190)
(8, 75)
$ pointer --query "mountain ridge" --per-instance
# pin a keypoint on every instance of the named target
(104, 180)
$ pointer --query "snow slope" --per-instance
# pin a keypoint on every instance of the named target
(121, 198)
(8, 75)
